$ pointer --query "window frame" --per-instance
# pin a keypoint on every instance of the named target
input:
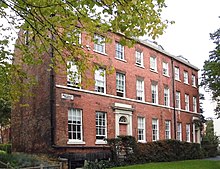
(139, 55)
(119, 50)
(140, 90)
(178, 99)
(177, 73)
(73, 76)
(155, 131)
(99, 44)
(188, 133)
(186, 77)
(166, 101)
(165, 68)
(179, 131)
(186, 102)
(99, 74)
(77, 140)
(103, 126)
(193, 80)
(141, 129)
(153, 63)
(194, 104)
(154, 86)
(123, 83)
(167, 129)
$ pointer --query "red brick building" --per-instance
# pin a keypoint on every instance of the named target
(151, 95)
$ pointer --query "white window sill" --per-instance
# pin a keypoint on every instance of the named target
(103, 53)
(178, 80)
(100, 142)
(186, 83)
(75, 142)
(154, 71)
(142, 141)
(141, 66)
(194, 86)
(166, 75)
(121, 59)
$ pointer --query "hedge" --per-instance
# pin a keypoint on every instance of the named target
(6, 148)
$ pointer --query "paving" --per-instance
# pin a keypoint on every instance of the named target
(217, 158)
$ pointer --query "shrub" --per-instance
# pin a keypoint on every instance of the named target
(5, 147)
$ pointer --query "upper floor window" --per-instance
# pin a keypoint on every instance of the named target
(73, 76)
(120, 84)
(139, 58)
(177, 73)
(99, 43)
(186, 78)
(141, 129)
(100, 84)
(153, 63)
(167, 129)
(155, 130)
(188, 132)
(194, 80)
(101, 126)
(178, 100)
(179, 131)
(119, 51)
(194, 104)
(74, 37)
(140, 89)
(154, 93)
(166, 96)
(75, 131)
(165, 69)
(187, 102)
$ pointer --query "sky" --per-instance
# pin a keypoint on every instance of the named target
(189, 36)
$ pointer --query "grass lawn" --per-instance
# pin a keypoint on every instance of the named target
(189, 164)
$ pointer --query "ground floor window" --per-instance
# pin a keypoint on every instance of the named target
(141, 129)
(101, 126)
(179, 131)
(75, 124)
(155, 130)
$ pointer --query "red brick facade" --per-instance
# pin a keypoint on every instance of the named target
(48, 127)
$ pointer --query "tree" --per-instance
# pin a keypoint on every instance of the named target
(210, 140)
(211, 71)
(55, 25)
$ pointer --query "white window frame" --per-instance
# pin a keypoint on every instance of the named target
(155, 129)
(166, 96)
(153, 63)
(179, 132)
(101, 127)
(140, 90)
(141, 130)
(154, 93)
(165, 69)
(167, 129)
(99, 44)
(75, 119)
(187, 102)
(186, 77)
(188, 133)
(73, 76)
(195, 104)
(193, 80)
(139, 57)
(119, 51)
(120, 84)
(100, 80)
(178, 100)
(177, 73)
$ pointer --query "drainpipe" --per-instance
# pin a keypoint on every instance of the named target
(174, 98)
(52, 94)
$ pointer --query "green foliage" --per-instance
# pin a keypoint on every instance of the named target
(6, 148)
(210, 140)
(211, 71)
(51, 29)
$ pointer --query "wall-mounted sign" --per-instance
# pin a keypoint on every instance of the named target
(67, 96)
